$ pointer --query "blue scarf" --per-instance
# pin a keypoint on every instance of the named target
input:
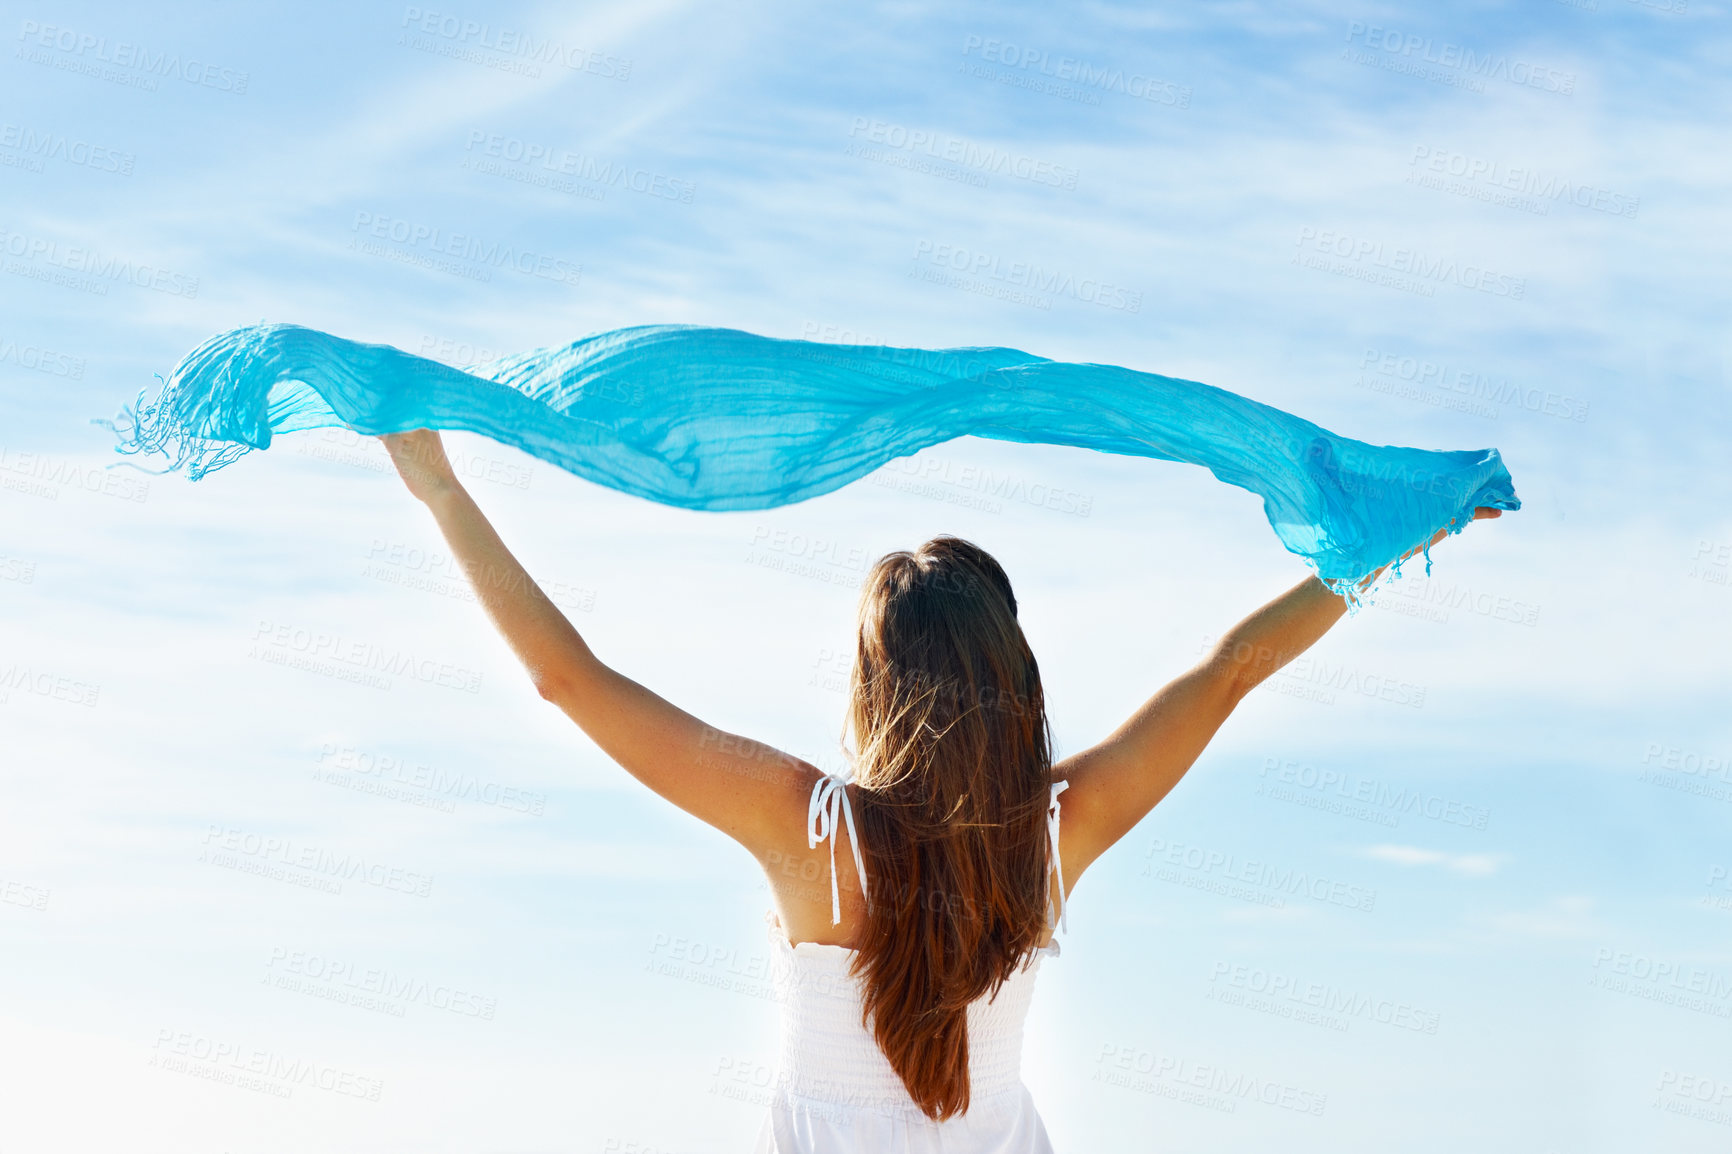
(718, 419)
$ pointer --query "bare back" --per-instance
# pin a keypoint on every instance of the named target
(799, 878)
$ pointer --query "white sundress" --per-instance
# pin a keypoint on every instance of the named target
(834, 1090)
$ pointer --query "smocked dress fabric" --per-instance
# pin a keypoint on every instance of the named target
(835, 1092)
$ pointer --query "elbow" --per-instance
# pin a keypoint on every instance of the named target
(550, 688)
(1238, 687)
(1232, 686)
(1234, 669)
(562, 679)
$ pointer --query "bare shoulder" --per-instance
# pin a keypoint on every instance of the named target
(799, 873)
(1080, 825)
(1117, 781)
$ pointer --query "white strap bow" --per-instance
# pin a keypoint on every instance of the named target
(830, 792)
(1058, 787)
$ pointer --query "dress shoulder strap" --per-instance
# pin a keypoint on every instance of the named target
(1058, 787)
(829, 793)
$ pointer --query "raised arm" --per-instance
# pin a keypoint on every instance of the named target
(1115, 784)
(743, 788)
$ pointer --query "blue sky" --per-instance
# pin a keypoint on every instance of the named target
(1453, 226)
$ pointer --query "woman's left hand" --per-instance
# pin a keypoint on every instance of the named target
(421, 462)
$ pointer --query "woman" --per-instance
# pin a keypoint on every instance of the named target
(905, 981)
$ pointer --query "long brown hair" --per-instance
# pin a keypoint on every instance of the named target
(953, 763)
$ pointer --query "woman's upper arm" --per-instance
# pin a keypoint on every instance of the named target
(748, 790)
(1113, 785)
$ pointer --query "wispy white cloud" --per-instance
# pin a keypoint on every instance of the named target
(1571, 916)
(1477, 865)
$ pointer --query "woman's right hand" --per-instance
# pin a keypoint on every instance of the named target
(1484, 512)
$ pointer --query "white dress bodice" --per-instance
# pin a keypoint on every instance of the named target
(834, 1090)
